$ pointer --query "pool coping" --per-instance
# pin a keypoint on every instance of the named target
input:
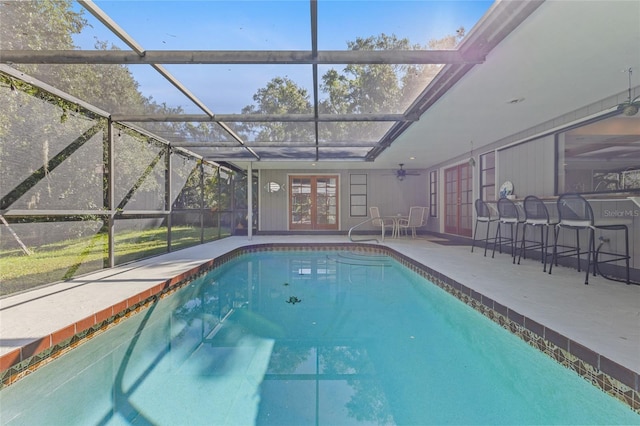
(606, 374)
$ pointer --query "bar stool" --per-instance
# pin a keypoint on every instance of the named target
(484, 214)
(508, 214)
(576, 213)
(536, 215)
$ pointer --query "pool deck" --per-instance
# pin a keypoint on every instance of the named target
(603, 316)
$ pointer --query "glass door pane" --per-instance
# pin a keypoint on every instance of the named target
(301, 202)
(326, 202)
(451, 200)
(458, 200)
(466, 200)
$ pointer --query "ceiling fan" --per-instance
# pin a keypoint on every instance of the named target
(630, 107)
(402, 173)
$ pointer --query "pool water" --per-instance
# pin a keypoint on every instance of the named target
(299, 338)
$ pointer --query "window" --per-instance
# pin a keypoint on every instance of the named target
(358, 195)
(603, 156)
(488, 176)
(433, 193)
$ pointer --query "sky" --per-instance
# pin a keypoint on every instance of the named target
(262, 25)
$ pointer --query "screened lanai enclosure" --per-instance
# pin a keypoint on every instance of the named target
(97, 173)
(80, 192)
(131, 129)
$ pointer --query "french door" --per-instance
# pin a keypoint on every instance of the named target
(458, 200)
(313, 202)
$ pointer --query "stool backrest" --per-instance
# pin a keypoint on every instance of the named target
(534, 208)
(508, 209)
(574, 210)
(483, 210)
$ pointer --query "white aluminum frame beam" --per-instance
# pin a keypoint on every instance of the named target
(255, 57)
(261, 118)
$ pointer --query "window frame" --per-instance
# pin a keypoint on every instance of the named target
(358, 195)
(484, 187)
(433, 193)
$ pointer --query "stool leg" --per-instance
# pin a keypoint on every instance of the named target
(594, 252)
(554, 257)
(543, 244)
(514, 244)
(475, 231)
(591, 252)
(522, 248)
(578, 247)
(495, 241)
(486, 242)
(510, 239)
(626, 245)
(545, 248)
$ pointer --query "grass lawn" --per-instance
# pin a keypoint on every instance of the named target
(66, 259)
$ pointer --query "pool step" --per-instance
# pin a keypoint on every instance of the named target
(357, 259)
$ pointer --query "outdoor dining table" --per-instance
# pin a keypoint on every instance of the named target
(395, 232)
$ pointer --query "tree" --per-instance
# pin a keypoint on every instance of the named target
(280, 96)
(39, 24)
(417, 77)
(50, 25)
(370, 88)
(356, 89)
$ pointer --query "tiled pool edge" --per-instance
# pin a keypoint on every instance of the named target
(23, 361)
(609, 376)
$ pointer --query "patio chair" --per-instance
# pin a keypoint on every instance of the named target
(415, 220)
(536, 215)
(379, 221)
(484, 214)
(575, 213)
(508, 214)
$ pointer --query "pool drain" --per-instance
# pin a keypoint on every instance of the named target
(293, 300)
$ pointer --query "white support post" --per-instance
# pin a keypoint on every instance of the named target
(250, 201)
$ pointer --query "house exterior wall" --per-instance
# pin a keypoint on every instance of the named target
(531, 167)
(386, 192)
(272, 205)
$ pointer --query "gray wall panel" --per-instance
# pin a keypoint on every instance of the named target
(386, 192)
(530, 166)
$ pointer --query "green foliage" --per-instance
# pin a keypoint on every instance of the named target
(39, 25)
(190, 175)
(50, 149)
(65, 259)
(356, 89)
(280, 96)
(50, 25)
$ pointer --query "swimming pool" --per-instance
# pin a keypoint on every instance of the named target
(304, 338)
